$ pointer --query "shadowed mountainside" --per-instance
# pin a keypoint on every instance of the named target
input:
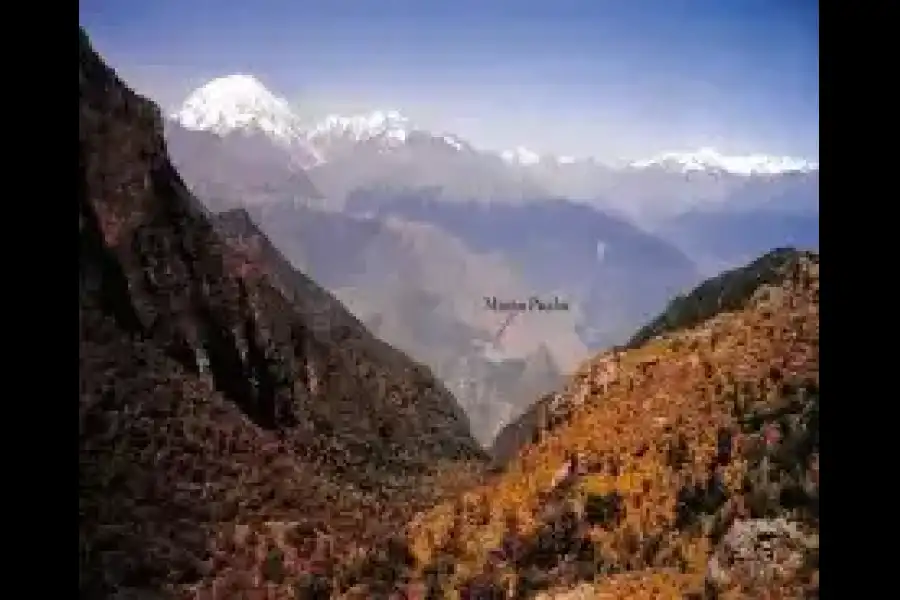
(387, 273)
(699, 469)
(222, 422)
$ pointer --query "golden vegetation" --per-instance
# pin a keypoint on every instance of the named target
(683, 413)
(282, 467)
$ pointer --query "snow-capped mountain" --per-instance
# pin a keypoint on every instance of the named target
(237, 102)
(521, 156)
(380, 123)
(385, 150)
(241, 104)
(707, 159)
(381, 130)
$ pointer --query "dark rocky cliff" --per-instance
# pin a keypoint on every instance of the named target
(211, 396)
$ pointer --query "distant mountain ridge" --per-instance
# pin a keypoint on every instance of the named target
(615, 275)
(721, 240)
(709, 158)
(240, 101)
(384, 152)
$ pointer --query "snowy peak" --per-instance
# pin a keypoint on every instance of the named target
(523, 157)
(390, 124)
(237, 102)
(710, 159)
(386, 130)
(241, 103)
(520, 156)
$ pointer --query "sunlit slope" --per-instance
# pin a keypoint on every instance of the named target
(663, 488)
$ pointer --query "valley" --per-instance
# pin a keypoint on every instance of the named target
(424, 304)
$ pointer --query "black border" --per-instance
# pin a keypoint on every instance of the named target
(39, 445)
(855, 112)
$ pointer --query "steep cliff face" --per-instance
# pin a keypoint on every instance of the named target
(436, 417)
(211, 394)
(699, 461)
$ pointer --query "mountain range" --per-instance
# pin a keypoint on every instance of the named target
(385, 149)
(430, 225)
(243, 434)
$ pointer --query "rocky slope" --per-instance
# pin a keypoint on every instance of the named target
(699, 470)
(226, 433)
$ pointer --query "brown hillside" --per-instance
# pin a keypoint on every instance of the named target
(226, 435)
(678, 490)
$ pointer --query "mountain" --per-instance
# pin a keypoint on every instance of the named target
(241, 105)
(438, 165)
(756, 213)
(336, 136)
(236, 169)
(729, 291)
(423, 291)
(723, 239)
(650, 196)
(384, 151)
(617, 241)
(344, 152)
(227, 434)
(707, 159)
(615, 275)
(521, 156)
(699, 463)
(720, 211)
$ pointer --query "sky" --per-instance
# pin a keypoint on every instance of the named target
(612, 79)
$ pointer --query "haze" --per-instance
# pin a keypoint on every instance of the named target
(612, 80)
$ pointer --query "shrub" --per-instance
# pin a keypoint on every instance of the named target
(312, 586)
(273, 567)
(607, 510)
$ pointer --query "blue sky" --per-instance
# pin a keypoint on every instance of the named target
(609, 78)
